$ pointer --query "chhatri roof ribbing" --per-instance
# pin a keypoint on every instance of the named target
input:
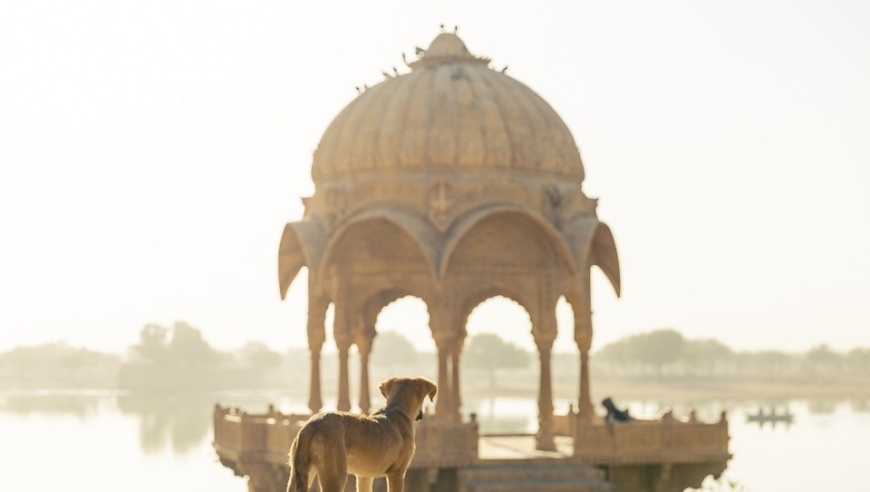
(450, 113)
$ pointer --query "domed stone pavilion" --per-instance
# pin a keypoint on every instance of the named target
(452, 183)
(455, 183)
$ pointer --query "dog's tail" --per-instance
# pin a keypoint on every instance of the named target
(300, 461)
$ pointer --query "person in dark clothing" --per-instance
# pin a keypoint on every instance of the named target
(614, 414)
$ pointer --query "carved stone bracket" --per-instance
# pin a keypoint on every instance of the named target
(442, 196)
(336, 204)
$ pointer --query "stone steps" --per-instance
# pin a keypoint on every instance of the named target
(532, 476)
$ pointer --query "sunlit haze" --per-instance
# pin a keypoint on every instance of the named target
(152, 151)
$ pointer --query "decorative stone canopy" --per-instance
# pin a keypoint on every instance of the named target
(451, 113)
(453, 183)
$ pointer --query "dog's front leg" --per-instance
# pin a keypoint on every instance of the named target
(396, 482)
(364, 484)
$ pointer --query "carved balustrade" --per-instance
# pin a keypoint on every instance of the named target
(245, 438)
(663, 440)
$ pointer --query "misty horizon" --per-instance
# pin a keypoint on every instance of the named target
(152, 156)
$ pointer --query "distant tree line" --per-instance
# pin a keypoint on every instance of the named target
(179, 357)
(57, 365)
(173, 357)
(666, 353)
(182, 347)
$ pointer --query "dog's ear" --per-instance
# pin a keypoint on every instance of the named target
(386, 387)
(433, 390)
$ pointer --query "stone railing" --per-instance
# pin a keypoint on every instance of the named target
(445, 443)
(255, 445)
(663, 440)
(245, 440)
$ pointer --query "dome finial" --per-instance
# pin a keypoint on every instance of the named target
(445, 48)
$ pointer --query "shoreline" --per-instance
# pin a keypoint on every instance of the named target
(733, 389)
(620, 388)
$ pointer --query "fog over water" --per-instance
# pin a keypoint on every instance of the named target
(102, 440)
(152, 152)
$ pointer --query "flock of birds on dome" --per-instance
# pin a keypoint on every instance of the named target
(419, 52)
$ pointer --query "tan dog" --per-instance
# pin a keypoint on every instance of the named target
(331, 445)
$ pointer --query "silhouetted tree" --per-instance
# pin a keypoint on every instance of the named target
(768, 362)
(152, 345)
(490, 352)
(858, 360)
(189, 349)
(257, 354)
(659, 347)
(821, 360)
(391, 349)
(618, 352)
(181, 346)
(702, 356)
(655, 348)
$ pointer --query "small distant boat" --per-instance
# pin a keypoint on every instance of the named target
(772, 417)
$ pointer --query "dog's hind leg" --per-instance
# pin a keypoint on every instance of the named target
(332, 483)
(395, 482)
(364, 484)
(332, 474)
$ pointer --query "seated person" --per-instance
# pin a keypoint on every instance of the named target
(614, 414)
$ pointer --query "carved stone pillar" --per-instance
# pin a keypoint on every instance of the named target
(583, 337)
(546, 438)
(343, 341)
(444, 405)
(364, 344)
(343, 384)
(316, 337)
(342, 331)
(456, 393)
(315, 401)
(444, 332)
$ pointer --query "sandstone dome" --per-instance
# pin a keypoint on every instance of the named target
(450, 113)
(453, 183)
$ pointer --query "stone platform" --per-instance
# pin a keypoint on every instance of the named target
(661, 455)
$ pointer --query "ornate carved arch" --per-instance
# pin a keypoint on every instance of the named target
(466, 224)
(591, 242)
(301, 245)
(418, 230)
(470, 302)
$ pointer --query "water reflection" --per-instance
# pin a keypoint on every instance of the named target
(83, 406)
(180, 422)
(148, 431)
(822, 406)
(503, 415)
(772, 415)
(860, 405)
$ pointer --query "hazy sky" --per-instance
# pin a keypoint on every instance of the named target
(151, 152)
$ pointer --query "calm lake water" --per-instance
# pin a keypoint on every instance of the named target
(104, 441)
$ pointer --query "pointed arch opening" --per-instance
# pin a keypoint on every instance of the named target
(564, 327)
(407, 316)
(498, 314)
(498, 361)
(403, 345)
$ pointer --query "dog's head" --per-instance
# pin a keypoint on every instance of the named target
(408, 394)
